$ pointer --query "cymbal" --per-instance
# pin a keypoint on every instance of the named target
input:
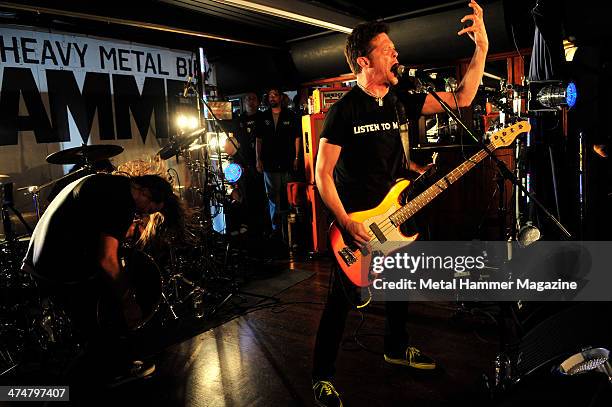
(77, 155)
(3, 176)
(175, 147)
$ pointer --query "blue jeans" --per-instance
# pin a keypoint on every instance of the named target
(276, 190)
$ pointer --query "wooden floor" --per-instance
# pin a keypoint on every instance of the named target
(264, 358)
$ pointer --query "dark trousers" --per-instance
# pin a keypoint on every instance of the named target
(105, 353)
(257, 204)
(342, 297)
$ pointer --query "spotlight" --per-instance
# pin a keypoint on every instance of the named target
(589, 359)
(216, 140)
(187, 122)
(232, 171)
(551, 96)
(528, 234)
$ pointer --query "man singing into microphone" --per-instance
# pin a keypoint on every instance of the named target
(358, 162)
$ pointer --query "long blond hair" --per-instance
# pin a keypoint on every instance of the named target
(147, 174)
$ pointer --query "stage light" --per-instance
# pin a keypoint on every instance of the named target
(528, 234)
(551, 95)
(216, 140)
(187, 122)
(571, 94)
(587, 360)
(232, 171)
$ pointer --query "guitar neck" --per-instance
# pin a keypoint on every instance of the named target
(416, 204)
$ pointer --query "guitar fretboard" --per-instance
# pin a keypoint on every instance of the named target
(407, 211)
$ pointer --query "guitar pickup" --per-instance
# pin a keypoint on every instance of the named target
(378, 233)
(347, 256)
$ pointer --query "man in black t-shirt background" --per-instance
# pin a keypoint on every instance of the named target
(359, 158)
(277, 149)
(251, 184)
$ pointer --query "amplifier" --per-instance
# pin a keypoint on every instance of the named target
(324, 98)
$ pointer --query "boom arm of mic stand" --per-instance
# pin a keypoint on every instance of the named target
(506, 173)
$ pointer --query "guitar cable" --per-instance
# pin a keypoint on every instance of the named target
(359, 308)
(452, 88)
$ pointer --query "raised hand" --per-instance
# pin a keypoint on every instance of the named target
(477, 31)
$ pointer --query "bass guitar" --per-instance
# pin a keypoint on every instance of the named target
(383, 222)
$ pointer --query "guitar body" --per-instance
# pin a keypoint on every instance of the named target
(355, 263)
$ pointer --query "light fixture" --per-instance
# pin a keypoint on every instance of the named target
(287, 14)
(232, 171)
(528, 234)
(216, 141)
(186, 122)
(551, 95)
(587, 360)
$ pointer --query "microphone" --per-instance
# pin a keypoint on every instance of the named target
(187, 86)
(401, 71)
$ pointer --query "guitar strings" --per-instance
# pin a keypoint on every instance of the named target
(387, 225)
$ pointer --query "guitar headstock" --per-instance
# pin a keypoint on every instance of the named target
(506, 136)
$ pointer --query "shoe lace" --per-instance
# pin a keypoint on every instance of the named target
(326, 388)
(412, 353)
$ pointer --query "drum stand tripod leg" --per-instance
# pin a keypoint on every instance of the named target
(170, 306)
(236, 292)
(5, 355)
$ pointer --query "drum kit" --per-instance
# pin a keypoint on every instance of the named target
(176, 289)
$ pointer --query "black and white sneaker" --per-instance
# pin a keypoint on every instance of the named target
(413, 358)
(138, 370)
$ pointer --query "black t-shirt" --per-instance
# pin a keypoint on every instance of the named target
(372, 153)
(64, 245)
(246, 137)
(278, 142)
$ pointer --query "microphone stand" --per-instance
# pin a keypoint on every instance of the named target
(234, 285)
(217, 122)
(504, 171)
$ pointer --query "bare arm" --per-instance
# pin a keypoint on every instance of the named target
(108, 260)
(327, 157)
(466, 91)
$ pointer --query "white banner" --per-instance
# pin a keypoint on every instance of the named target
(62, 90)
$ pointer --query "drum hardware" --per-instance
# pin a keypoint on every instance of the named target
(8, 203)
(186, 273)
(51, 327)
(176, 286)
(11, 341)
(179, 144)
(145, 282)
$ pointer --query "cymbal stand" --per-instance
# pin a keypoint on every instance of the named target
(9, 203)
(35, 189)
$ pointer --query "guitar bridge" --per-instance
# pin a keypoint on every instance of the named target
(347, 256)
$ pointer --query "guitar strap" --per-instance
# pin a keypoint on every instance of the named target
(402, 120)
